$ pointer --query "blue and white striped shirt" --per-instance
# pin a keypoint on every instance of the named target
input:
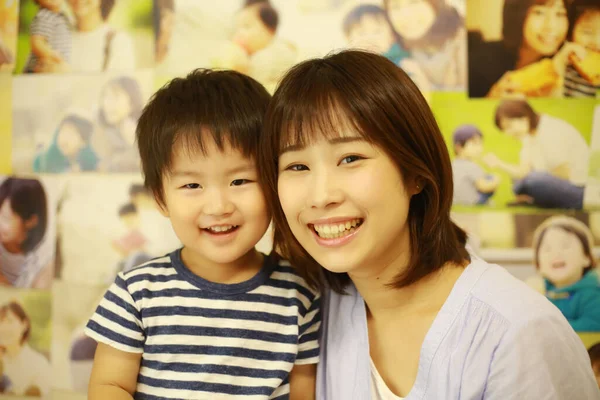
(204, 340)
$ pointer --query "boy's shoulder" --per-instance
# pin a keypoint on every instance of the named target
(150, 270)
(283, 274)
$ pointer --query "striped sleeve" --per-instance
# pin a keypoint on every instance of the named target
(42, 24)
(117, 321)
(308, 341)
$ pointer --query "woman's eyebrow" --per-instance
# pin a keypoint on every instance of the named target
(337, 140)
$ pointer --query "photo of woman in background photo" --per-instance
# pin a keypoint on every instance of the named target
(121, 104)
(532, 32)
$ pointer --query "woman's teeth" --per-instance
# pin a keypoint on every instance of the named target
(340, 229)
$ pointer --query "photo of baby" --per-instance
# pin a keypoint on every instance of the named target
(564, 259)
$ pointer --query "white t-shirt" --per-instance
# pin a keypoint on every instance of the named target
(28, 368)
(555, 143)
(379, 390)
(89, 51)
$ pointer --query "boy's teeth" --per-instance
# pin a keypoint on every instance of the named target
(223, 228)
(331, 231)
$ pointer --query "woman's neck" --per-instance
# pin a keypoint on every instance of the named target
(527, 56)
(89, 22)
(424, 297)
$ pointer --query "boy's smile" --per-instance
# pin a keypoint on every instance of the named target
(215, 205)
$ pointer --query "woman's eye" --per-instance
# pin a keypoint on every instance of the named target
(191, 186)
(297, 167)
(350, 159)
(239, 182)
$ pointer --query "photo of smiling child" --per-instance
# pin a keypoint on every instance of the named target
(50, 36)
(472, 185)
(563, 257)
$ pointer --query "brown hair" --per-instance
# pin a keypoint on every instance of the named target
(225, 106)
(570, 225)
(370, 94)
(514, 15)
(578, 9)
(516, 109)
(19, 311)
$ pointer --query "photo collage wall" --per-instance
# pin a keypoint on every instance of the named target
(513, 84)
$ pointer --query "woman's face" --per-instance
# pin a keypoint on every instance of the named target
(11, 329)
(545, 27)
(587, 30)
(372, 33)
(13, 230)
(561, 257)
(69, 140)
(116, 104)
(517, 128)
(411, 19)
(346, 203)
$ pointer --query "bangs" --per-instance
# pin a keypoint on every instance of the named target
(314, 112)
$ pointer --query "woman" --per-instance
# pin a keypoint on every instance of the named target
(359, 180)
(23, 223)
(547, 175)
(531, 30)
(434, 34)
(26, 372)
(121, 104)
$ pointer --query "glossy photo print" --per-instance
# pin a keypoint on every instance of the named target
(78, 123)
(25, 337)
(592, 192)
(555, 254)
(9, 22)
(108, 224)
(533, 48)
(5, 123)
(28, 231)
(84, 36)
(511, 152)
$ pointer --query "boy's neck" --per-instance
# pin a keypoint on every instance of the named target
(240, 270)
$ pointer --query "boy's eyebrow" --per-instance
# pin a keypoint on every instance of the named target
(337, 140)
(197, 174)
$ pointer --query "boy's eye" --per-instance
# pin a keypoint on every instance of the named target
(239, 182)
(297, 167)
(191, 186)
(350, 159)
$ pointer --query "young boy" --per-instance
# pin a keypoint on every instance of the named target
(472, 185)
(215, 319)
(50, 35)
(584, 41)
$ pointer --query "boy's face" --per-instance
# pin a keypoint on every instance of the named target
(472, 149)
(250, 32)
(69, 140)
(215, 204)
(587, 30)
(372, 33)
(561, 257)
(517, 128)
(52, 5)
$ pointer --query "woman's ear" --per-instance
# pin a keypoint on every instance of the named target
(416, 186)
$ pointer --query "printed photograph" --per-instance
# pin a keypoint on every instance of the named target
(28, 231)
(78, 123)
(5, 123)
(533, 48)
(25, 340)
(511, 152)
(76, 36)
(9, 22)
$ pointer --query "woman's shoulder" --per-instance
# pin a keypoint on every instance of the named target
(509, 297)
